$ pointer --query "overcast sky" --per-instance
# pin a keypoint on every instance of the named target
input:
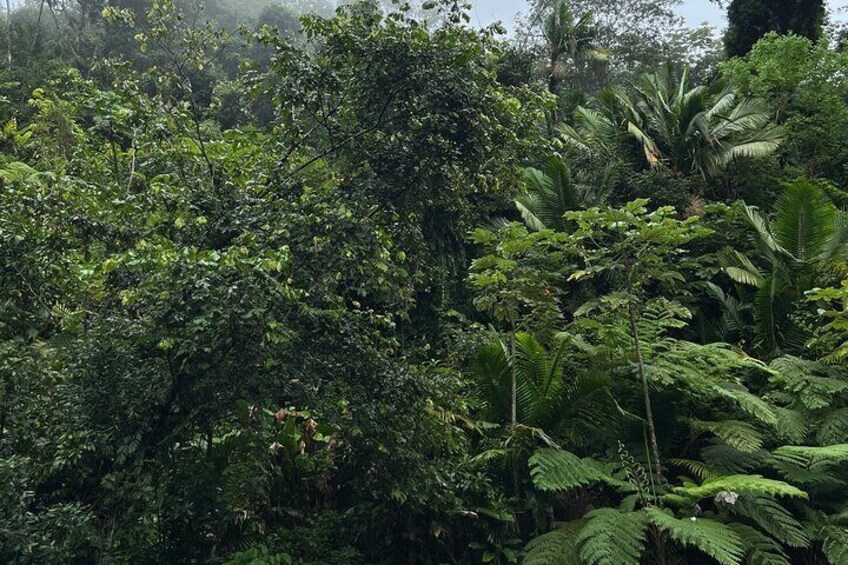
(695, 11)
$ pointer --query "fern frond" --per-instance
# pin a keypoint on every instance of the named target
(555, 470)
(488, 455)
(835, 545)
(557, 547)
(834, 428)
(741, 435)
(770, 517)
(819, 477)
(730, 461)
(813, 457)
(752, 405)
(701, 370)
(791, 425)
(612, 537)
(708, 536)
(815, 383)
(740, 484)
(696, 468)
(17, 171)
(759, 548)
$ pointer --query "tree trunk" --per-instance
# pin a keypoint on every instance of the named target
(649, 417)
(514, 369)
(640, 363)
(553, 80)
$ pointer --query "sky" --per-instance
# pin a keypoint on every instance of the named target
(694, 11)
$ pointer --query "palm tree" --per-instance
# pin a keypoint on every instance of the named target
(554, 190)
(546, 398)
(691, 131)
(688, 131)
(568, 39)
(797, 249)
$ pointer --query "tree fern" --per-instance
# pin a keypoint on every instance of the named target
(813, 457)
(701, 370)
(834, 427)
(708, 536)
(751, 404)
(696, 468)
(819, 477)
(17, 171)
(740, 484)
(728, 460)
(791, 425)
(759, 548)
(741, 435)
(555, 470)
(770, 517)
(815, 384)
(612, 537)
(835, 545)
(557, 547)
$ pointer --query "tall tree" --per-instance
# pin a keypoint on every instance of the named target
(749, 20)
(568, 41)
(634, 36)
(805, 85)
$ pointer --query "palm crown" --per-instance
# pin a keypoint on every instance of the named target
(687, 130)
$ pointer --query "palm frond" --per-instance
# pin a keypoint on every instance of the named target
(550, 194)
(805, 222)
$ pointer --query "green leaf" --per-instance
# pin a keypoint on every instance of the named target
(740, 484)
(708, 536)
(557, 547)
(612, 537)
(554, 470)
(771, 517)
(759, 548)
(806, 220)
(740, 435)
(835, 545)
(813, 456)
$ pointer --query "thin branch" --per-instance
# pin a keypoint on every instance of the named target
(132, 163)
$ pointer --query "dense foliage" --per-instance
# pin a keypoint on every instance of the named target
(749, 20)
(371, 285)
